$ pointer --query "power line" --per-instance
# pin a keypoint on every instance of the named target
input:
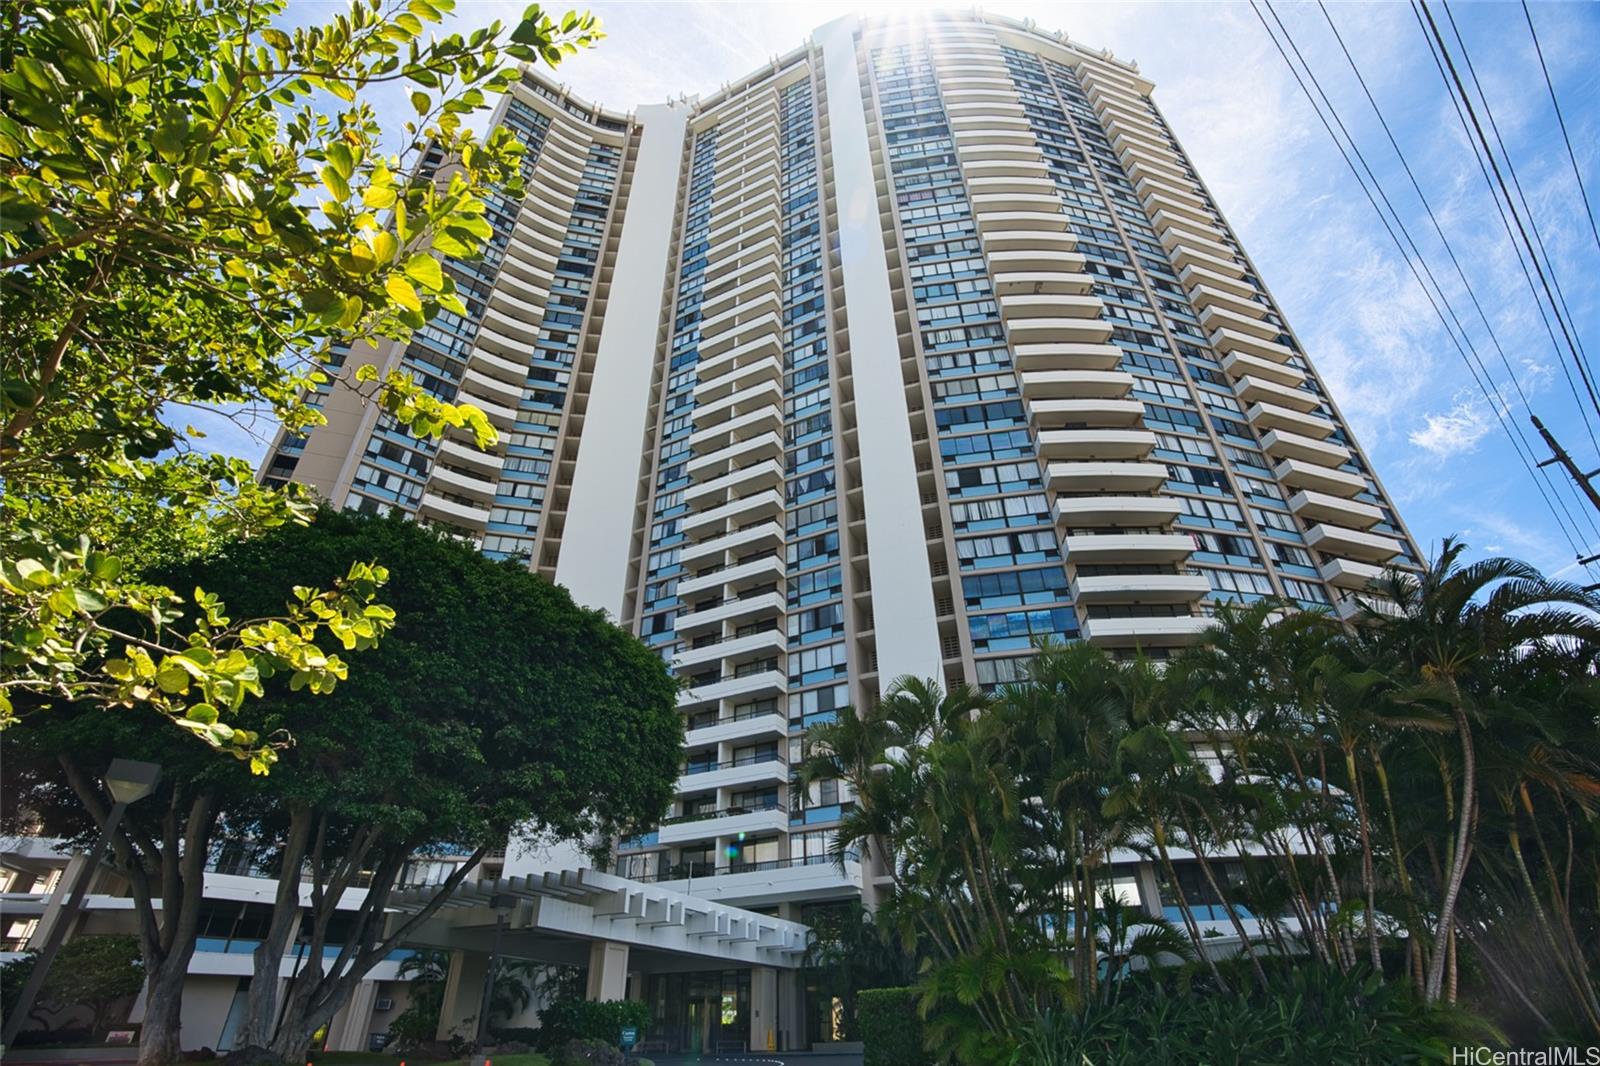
(1384, 219)
(1562, 122)
(1516, 183)
(1497, 402)
(1460, 90)
(1460, 272)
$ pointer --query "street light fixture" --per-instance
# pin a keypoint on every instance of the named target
(128, 781)
(503, 904)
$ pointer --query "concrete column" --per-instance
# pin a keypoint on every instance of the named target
(349, 1028)
(636, 986)
(608, 971)
(791, 1011)
(463, 995)
(763, 1008)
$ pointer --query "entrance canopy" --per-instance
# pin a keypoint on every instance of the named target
(556, 917)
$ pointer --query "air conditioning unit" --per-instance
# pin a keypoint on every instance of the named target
(383, 1003)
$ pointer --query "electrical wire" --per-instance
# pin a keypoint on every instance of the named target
(1460, 89)
(1565, 528)
(1562, 122)
(1497, 401)
(1456, 262)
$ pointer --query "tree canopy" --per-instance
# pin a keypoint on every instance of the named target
(199, 206)
(495, 705)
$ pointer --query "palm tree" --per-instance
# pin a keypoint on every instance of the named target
(1455, 623)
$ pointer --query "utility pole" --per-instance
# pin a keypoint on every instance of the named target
(1584, 481)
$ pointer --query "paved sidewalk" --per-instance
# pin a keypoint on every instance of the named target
(764, 1058)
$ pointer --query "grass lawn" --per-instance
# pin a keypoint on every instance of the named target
(386, 1058)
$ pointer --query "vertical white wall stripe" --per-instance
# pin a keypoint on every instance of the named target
(596, 541)
(907, 633)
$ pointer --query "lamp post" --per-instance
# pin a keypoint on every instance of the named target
(128, 781)
(503, 904)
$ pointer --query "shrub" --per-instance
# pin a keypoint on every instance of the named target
(891, 1029)
(590, 1053)
(569, 1018)
(1309, 1015)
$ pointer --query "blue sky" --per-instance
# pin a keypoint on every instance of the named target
(1274, 171)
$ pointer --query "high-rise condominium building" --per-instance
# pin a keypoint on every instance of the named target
(916, 346)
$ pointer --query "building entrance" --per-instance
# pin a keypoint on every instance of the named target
(699, 1013)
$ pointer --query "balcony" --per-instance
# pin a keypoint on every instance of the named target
(462, 483)
(1217, 318)
(1140, 588)
(766, 474)
(486, 464)
(1059, 330)
(1240, 365)
(740, 511)
(759, 396)
(1231, 340)
(470, 516)
(1186, 254)
(1254, 390)
(763, 605)
(1145, 632)
(1298, 474)
(1198, 276)
(763, 645)
(727, 822)
(1128, 547)
(1349, 574)
(491, 388)
(1273, 416)
(1281, 444)
(755, 684)
(766, 570)
(1075, 384)
(765, 419)
(742, 453)
(1031, 244)
(1320, 507)
(1074, 512)
(1058, 282)
(736, 773)
(1186, 207)
(1352, 544)
(748, 725)
(1118, 414)
(1050, 357)
(1096, 443)
(1241, 307)
(498, 365)
(767, 536)
(1046, 220)
(1357, 609)
(1185, 192)
(1003, 161)
(1105, 477)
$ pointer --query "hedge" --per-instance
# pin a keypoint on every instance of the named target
(569, 1018)
(890, 1027)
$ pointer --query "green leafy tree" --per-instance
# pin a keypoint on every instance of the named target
(199, 204)
(95, 972)
(495, 705)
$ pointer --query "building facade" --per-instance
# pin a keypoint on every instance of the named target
(914, 347)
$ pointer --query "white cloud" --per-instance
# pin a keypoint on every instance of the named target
(1453, 433)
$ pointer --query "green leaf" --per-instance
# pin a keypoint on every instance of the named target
(336, 183)
(424, 270)
(401, 292)
(421, 101)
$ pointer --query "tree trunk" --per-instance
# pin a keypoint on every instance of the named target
(1189, 924)
(163, 1010)
(1368, 874)
(1458, 864)
(1227, 904)
(261, 1012)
